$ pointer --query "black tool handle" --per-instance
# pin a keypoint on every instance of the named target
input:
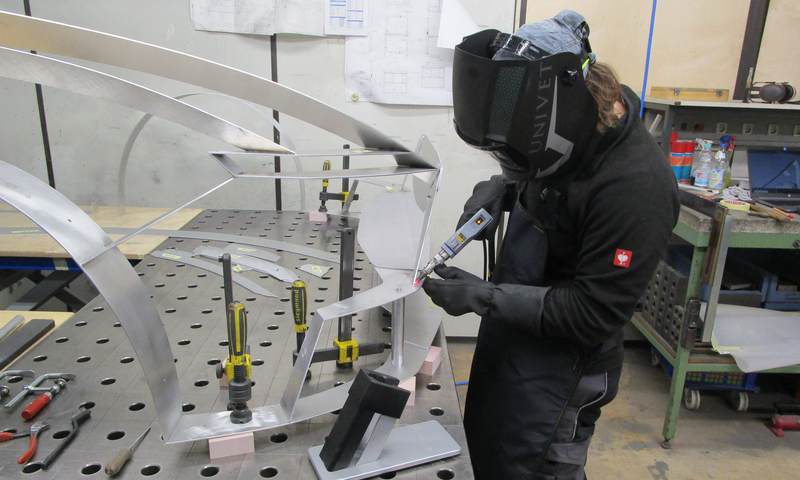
(227, 277)
(77, 420)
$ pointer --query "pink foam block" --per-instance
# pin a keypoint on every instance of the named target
(317, 217)
(432, 361)
(231, 445)
(410, 385)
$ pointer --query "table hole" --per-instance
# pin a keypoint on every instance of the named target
(150, 470)
(83, 359)
(388, 475)
(196, 325)
(40, 358)
(117, 325)
(257, 363)
(182, 297)
(284, 299)
(141, 274)
(201, 383)
(188, 407)
(184, 342)
(209, 471)
(202, 275)
(80, 324)
(436, 411)
(272, 327)
(338, 384)
(279, 438)
(433, 386)
(265, 344)
(101, 341)
(279, 312)
(268, 472)
(387, 329)
(170, 310)
(62, 339)
(32, 467)
(216, 298)
(91, 469)
(170, 274)
(115, 435)
(135, 407)
(159, 285)
(445, 474)
(108, 381)
(319, 300)
(87, 405)
(61, 434)
(223, 343)
(206, 311)
(98, 309)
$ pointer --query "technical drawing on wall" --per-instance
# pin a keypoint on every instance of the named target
(305, 17)
(346, 17)
(236, 16)
(399, 62)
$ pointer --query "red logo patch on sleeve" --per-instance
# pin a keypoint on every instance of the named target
(622, 258)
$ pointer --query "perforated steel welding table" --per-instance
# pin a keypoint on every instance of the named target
(110, 380)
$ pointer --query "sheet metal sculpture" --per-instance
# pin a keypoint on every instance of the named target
(117, 281)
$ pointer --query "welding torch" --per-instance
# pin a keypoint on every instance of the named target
(457, 242)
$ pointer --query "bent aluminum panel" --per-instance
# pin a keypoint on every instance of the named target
(257, 264)
(186, 257)
(355, 152)
(224, 237)
(28, 33)
(391, 241)
(393, 288)
(66, 76)
(111, 274)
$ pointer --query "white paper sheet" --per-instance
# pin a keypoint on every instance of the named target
(236, 16)
(758, 339)
(261, 17)
(399, 61)
(346, 17)
(456, 24)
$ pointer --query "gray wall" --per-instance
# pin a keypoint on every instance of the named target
(169, 164)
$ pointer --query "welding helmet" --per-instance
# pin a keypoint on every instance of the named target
(523, 97)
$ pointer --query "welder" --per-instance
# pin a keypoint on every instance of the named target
(592, 203)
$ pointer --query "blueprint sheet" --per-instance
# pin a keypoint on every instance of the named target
(262, 17)
(399, 61)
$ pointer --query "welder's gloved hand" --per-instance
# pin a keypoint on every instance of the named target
(459, 292)
(495, 195)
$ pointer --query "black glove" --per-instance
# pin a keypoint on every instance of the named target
(496, 196)
(460, 292)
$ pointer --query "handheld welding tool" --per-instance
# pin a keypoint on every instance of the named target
(115, 465)
(458, 241)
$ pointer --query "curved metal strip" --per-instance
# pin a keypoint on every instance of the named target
(28, 33)
(186, 257)
(257, 264)
(55, 73)
(126, 151)
(113, 276)
(350, 173)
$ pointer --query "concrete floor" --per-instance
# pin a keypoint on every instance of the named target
(714, 442)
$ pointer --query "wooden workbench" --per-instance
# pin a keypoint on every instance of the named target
(39, 245)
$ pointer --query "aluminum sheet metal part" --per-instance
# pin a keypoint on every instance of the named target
(44, 36)
(66, 76)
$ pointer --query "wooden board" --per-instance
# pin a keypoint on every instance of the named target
(58, 317)
(42, 245)
(699, 94)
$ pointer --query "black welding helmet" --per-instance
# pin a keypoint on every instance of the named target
(523, 98)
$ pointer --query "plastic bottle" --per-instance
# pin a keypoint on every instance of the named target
(704, 169)
(716, 179)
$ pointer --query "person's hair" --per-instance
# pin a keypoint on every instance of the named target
(604, 86)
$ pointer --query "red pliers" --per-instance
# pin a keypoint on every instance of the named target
(34, 432)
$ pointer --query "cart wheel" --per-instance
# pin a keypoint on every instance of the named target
(740, 401)
(691, 398)
(654, 361)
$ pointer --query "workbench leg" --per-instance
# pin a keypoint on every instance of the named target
(675, 394)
